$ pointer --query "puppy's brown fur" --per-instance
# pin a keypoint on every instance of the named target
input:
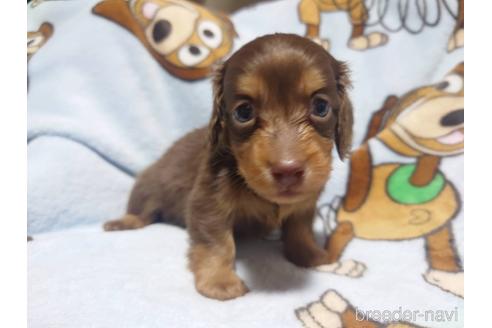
(219, 180)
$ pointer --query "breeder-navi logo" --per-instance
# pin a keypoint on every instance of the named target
(388, 316)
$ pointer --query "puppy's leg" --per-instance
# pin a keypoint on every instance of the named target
(140, 213)
(300, 247)
(128, 222)
(212, 263)
(144, 203)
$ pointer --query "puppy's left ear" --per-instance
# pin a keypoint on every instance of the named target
(345, 120)
(216, 124)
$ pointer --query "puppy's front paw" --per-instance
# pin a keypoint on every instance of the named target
(449, 281)
(349, 268)
(126, 223)
(222, 288)
(113, 225)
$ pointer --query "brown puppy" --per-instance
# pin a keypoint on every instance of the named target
(280, 103)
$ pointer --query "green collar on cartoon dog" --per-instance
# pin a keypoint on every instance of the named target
(401, 190)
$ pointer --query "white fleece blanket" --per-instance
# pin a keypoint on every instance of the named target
(101, 108)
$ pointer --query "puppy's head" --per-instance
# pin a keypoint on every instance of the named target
(280, 103)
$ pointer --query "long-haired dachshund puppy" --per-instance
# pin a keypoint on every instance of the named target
(280, 103)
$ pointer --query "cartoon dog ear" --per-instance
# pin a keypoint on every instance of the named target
(216, 121)
(227, 23)
(344, 126)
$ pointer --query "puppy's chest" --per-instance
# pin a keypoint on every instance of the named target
(260, 211)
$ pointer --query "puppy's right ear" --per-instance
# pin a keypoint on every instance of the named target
(345, 120)
(216, 122)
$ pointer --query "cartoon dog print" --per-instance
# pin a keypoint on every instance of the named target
(35, 3)
(37, 39)
(185, 38)
(333, 311)
(310, 11)
(310, 14)
(457, 39)
(396, 201)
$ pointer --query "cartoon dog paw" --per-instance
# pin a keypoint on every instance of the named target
(328, 214)
(325, 43)
(35, 3)
(371, 40)
(452, 282)
(348, 268)
(324, 313)
(457, 40)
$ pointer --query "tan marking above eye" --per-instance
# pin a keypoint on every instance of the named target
(311, 81)
(249, 84)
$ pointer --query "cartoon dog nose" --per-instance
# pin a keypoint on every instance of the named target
(161, 30)
(288, 173)
(456, 117)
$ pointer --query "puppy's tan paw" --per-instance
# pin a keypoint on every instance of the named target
(114, 225)
(126, 223)
(371, 40)
(349, 268)
(222, 289)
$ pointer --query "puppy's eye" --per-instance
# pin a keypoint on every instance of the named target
(243, 113)
(320, 107)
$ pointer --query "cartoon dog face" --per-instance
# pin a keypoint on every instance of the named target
(187, 34)
(431, 119)
(185, 38)
(36, 39)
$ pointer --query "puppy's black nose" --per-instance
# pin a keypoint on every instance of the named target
(456, 117)
(161, 30)
(288, 173)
